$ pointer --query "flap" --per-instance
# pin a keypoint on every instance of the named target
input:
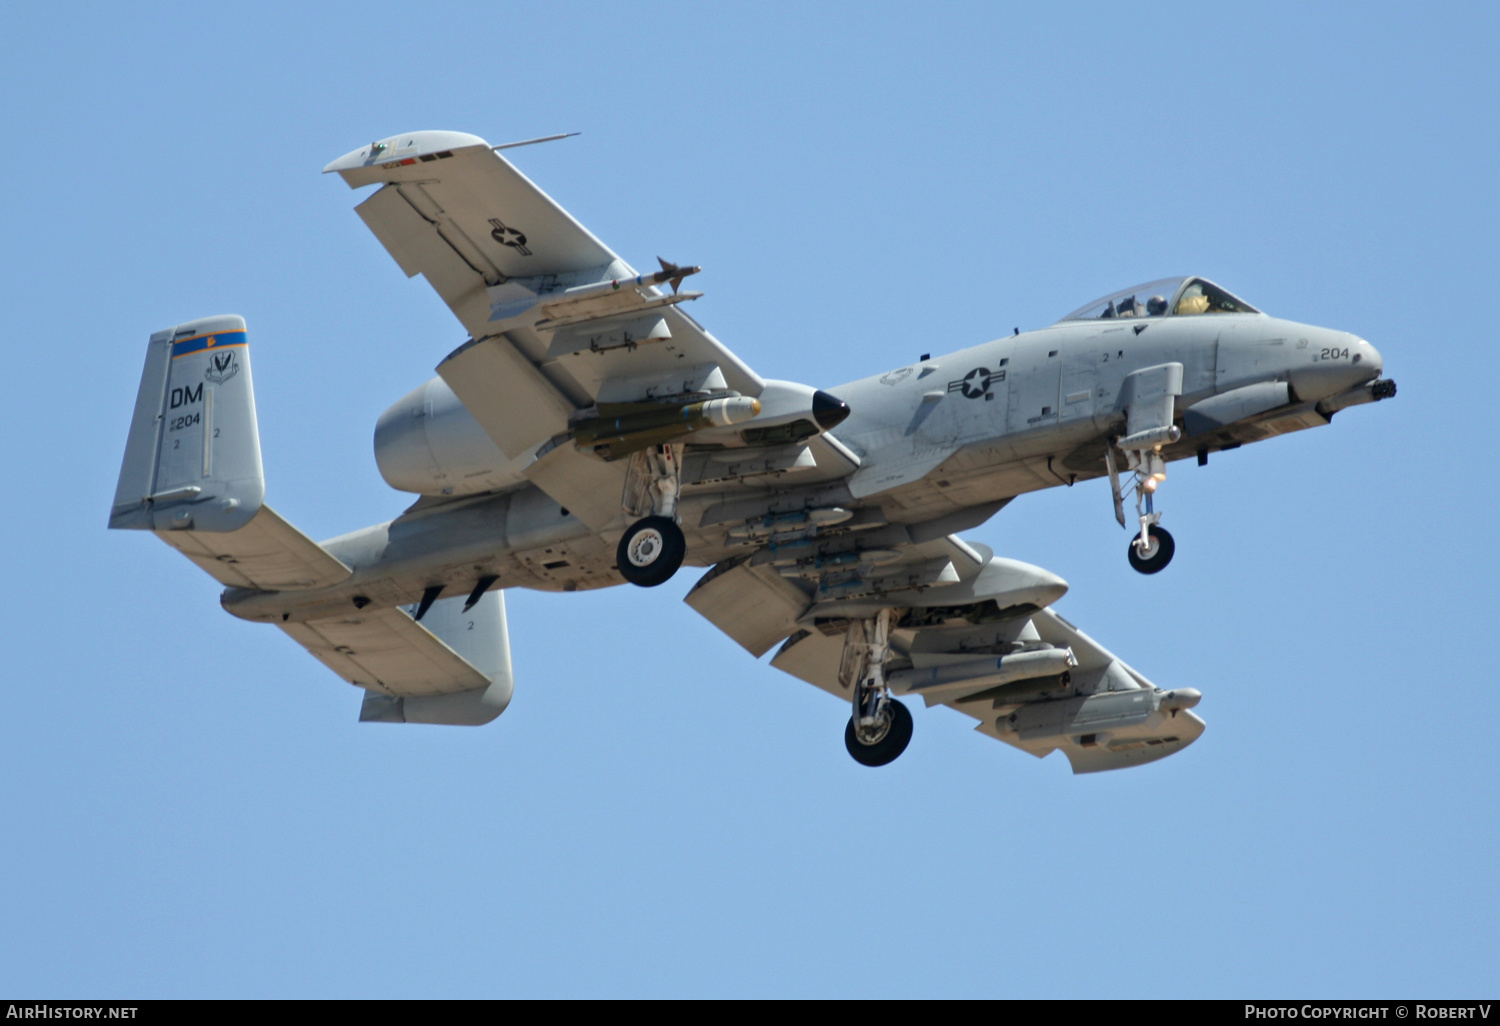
(583, 484)
(515, 404)
(267, 554)
(755, 606)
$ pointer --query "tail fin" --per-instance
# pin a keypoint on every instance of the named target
(192, 460)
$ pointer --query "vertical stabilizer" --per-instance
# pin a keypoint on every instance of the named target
(192, 460)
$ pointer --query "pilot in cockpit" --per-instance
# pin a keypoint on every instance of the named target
(1193, 301)
(1132, 307)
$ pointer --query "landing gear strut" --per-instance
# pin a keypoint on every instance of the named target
(879, 727)
(653, 547)
(1150, 550)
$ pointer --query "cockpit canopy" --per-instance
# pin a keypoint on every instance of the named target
(1168, 296)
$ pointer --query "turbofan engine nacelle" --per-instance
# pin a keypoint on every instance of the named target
(427, 442)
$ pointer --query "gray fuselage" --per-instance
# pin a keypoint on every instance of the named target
(981, 426)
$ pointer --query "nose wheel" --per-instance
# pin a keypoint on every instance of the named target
(651, 551)
(1155, 554)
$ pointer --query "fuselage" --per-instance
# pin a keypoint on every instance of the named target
(966, 430)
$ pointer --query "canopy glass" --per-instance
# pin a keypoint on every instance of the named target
(1163, 298)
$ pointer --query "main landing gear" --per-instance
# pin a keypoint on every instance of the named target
(653, 547)
(879, 727)
(880, 744)
(651, 551)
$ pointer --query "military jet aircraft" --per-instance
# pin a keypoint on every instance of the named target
(591, 433)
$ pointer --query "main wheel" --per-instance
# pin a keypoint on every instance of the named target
(651, 551)
(889, 745)
(1157, 555)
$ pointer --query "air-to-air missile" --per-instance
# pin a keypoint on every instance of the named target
(590, 302)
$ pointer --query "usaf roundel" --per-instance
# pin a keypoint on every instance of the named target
(976, 383)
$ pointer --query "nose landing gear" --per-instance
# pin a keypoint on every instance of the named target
(1152, 549)
(1155, 554)
(879, 727)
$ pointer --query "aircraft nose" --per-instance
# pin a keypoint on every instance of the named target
(1370, 359)
(1334, 363)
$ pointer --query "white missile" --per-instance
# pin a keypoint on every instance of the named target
(982, 673)
(779, 523)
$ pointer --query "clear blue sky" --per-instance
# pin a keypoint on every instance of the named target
(189, 807)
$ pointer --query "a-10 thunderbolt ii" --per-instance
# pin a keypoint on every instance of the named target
(590, 433)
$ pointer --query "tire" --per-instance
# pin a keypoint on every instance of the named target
(651, 551)
(887, 748)
(1156, 561)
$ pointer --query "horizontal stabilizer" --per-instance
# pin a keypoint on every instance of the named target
(267, 554)
(456, 672)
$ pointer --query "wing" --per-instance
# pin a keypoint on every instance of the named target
(969, 631)
(557, 321)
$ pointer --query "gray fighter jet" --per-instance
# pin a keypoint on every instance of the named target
(591, 433)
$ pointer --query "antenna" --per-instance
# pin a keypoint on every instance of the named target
(532, 142)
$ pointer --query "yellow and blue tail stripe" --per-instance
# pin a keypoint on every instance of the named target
(200, 343)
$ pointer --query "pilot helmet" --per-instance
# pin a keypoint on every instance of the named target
(1193, 300)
